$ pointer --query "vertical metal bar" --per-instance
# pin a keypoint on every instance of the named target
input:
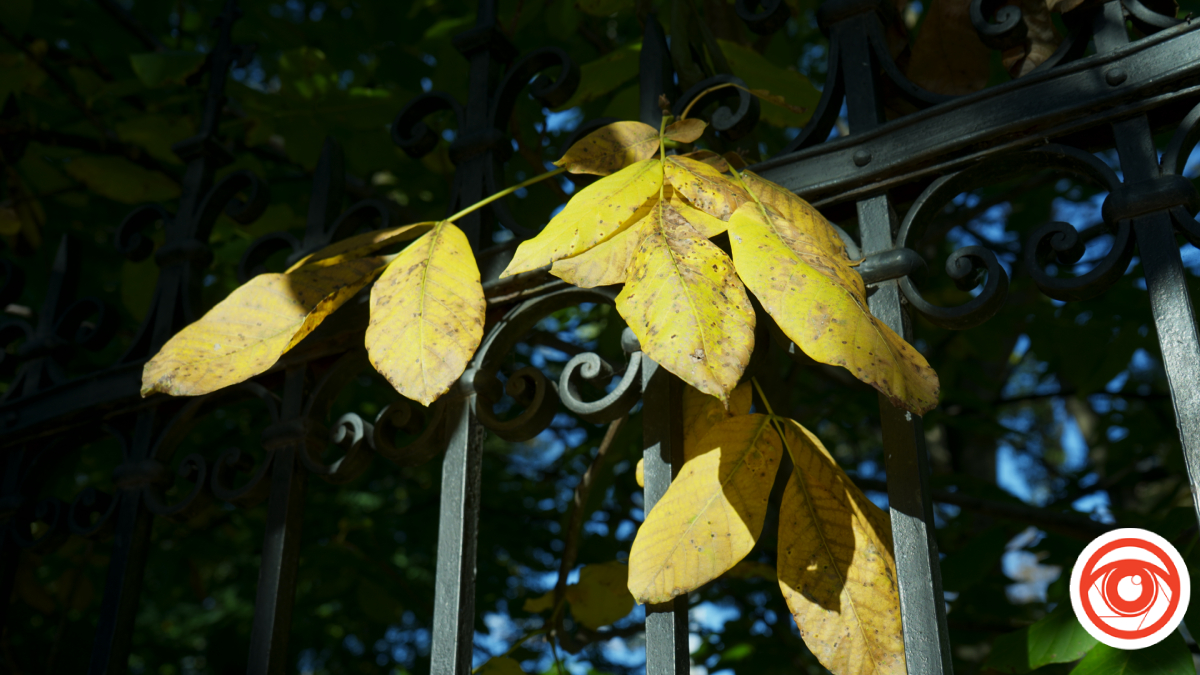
(118, 608)
(657, 75)
(281, 540)
(662, 434)
(1170, 303)
(458, 527)
(918, 571)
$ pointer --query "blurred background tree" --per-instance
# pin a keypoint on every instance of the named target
(1055, 422)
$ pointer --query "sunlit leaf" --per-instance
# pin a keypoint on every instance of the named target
(686, 305)
(611, 148)
(796, 211)
(608, 263)
(594, 215)
(248, 331)
(427, 312)
(703, 186)
(835, 565)
(819, 302)
(711, 515)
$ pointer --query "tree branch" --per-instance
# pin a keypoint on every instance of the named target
(1075, 526)
(130, 24)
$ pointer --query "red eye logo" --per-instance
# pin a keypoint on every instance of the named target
(1130, 588)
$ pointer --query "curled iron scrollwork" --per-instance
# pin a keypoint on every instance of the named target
(193, 469)
(428, 424)
(223, 197)
(411, 134)
(591, 368)
(91, 514)
(1008, 28)
(354, 436)
(528, 385)
(132, 240)
(732, 121)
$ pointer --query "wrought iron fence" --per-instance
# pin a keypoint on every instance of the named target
(1100, 90)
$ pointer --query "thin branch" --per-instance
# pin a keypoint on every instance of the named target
(130, 24)
(575, 524)
(1076, 526)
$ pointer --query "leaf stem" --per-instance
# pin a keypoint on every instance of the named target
(755, 94)
(503, 193)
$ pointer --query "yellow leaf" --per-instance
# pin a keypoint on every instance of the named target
(539, 604)
(501, 665)
(712, 513)
(836, 569)
(611, 148)
(427, 314)
(361, 245)
(684, 302)
(601, 596)
(247, 332)
(685, 131)
(796, 211)
(594, 215)
(608, 263)
(702, 412)
(703, 186)
(710, 158)
(819, 302)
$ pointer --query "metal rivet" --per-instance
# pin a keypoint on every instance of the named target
(1115, 76)
(862, 158)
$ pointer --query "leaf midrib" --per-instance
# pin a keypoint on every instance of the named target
(808, 500)
(737, 467)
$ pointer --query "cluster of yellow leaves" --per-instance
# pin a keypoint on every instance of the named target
(647, 224)
(427, 311)
(835, 566)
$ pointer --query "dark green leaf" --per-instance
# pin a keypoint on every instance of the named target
(1169, 657)
(156, 69)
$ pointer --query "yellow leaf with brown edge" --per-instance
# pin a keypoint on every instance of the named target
(819, 302)
(686, 305)
(835, 565)
(427, 312)
(703, 186)
(701, 413)
(611, 148)
(685, 131)
(796, 211)
(361, 245)
(711, 515)
(607, 263)
(600, 597)
(594, 215)
(247, 332)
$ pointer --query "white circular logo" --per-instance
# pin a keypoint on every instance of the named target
(1130, 588)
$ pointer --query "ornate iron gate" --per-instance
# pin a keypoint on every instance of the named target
(1056, 117)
